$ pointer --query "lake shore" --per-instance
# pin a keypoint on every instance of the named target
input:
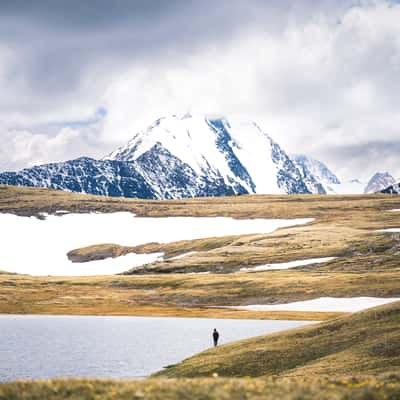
(117, 347)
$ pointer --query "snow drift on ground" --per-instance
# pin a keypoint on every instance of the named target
(327, 304)
(287, 265)
(39, 247)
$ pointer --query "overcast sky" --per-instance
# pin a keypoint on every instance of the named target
(80, 77)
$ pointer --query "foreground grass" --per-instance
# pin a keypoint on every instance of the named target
(368, 342)
(354, 388)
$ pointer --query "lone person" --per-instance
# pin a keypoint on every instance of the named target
(215, 336)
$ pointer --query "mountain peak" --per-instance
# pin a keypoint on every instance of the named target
(379, 181)
(233, 149)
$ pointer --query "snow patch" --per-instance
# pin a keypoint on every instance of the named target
(39, 246)
(287, 265)
(325, 304)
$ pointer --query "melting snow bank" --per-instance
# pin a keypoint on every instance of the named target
(40, 246)
(287, 265)
(326, 304)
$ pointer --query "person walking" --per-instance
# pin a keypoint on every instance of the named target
(215, 336)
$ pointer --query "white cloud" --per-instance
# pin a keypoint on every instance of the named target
(314, 87)
(22, 148)
(322, 80)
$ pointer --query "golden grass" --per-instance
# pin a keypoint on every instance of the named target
(367, 342)
(185, 294)
(31, 201)
(354, 388)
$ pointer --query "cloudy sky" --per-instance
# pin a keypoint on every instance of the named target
(80, 77)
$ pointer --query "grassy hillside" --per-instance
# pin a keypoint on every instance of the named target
(367, 342)
(362, 388)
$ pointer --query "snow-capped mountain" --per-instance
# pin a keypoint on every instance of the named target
(317, 176)
(393, 189)
(177, 157)
(380, 181)
(236, 151)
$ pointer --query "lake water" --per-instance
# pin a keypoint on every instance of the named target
(41, 347)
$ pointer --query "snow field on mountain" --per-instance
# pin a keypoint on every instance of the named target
(253, 148)
(287, 265)
(39, 246)
(193, 142)
(323, 304)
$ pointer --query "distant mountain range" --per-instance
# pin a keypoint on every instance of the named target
(193, 156)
